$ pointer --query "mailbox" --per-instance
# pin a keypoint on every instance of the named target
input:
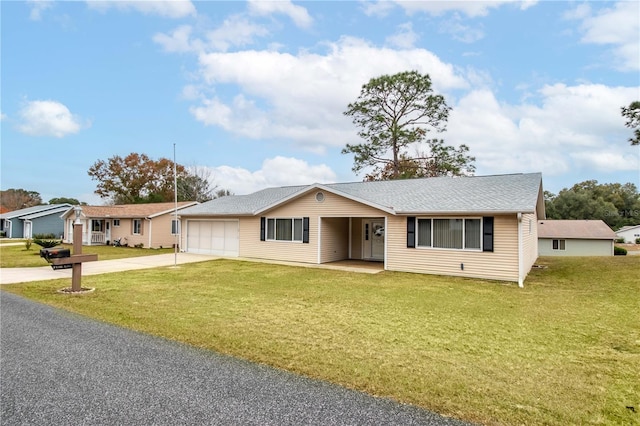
(54, 253)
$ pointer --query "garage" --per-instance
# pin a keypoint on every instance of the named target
(217, 237)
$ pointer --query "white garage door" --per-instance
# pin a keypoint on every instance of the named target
(218, 237)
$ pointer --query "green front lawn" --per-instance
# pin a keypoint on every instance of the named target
(563, 350)
(17, 256)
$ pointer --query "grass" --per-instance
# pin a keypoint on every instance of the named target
(563, 350)
(17, 256)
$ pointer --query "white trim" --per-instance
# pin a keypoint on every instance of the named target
(464, 232)
(319, 256)
(350, 236)
(520, 253)
(150, 230)
(386, 242)
(316, 186)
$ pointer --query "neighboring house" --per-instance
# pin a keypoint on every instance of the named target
(25, 223)
(629, 233)
(481, 226)
(152, 225)
(575, 238)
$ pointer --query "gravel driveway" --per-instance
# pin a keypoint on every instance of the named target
(64, 369)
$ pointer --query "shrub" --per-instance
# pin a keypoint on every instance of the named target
(3, 234)
(27, 244)
(638, 240)
(620, 240)
(47, 243)
(43, 236)
(139, 245)
(619, 251)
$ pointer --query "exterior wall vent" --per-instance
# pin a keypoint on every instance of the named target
(319, 197)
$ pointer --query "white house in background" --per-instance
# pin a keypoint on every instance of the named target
(629, 233)
(575, 238)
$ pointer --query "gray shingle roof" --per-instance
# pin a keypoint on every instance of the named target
(31, 210)
(476, 194)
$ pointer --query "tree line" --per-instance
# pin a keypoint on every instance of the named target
(616, 204)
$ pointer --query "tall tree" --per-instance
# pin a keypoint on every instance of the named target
(632, 114)
(135, 179)
(393, 113)
(438, 160)
(196, 185)
(63, 200)
(16, 199)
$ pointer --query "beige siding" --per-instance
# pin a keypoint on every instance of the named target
(575, 247)
(335, 239)
(305, 206)
(529, 241)
(501, 264)
(161, 232)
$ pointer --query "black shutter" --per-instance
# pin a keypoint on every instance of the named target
(411, 232)
(305, 230)
(263, 222)
(487, 231)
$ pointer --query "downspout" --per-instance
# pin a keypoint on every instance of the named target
(150, 229)
(520, 254)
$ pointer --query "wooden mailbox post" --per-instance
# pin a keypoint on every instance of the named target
(77, 258)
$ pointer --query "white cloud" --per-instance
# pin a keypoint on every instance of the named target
(460, 31)
(469, 8)
(48, 118)
(301, 97)
(38, 7)
(618, 26)
(179, 40)
(298, 14)
(571, 128)
(165, 8)
(605, 161)
(404, 38)
(235, 31)
(278, 171)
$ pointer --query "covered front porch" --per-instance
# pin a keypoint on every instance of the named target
(94, 231)
(360, 239)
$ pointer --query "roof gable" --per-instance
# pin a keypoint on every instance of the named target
(32, 210)
(440, 195)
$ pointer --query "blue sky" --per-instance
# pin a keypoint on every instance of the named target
(254, 91)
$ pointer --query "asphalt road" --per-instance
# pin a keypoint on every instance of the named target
(58, 368)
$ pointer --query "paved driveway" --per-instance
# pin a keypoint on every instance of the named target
(59, 368)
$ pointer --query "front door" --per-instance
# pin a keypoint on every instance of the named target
(373, 234)
(107, 230)
(27, 229)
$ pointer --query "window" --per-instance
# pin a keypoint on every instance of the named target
(116, 223)
(284, 229)
(96, 226)
(175, 227)
(454, 233)
(558, 244)
(137, 226)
